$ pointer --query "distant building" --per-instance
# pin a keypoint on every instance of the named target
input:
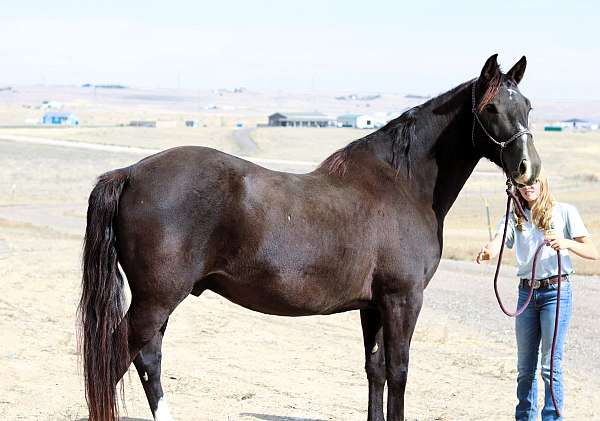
(571, 124)
(577, 123)
(355, 97)
(59, 118)
(142, 123)
(47, 105)
(110, 86)
(359, 121)
(300, 120)
(191, 123)
(414, 96)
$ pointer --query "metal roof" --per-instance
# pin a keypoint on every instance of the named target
(304, 116)
(575, 120)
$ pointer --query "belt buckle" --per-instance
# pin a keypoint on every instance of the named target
(536, 283)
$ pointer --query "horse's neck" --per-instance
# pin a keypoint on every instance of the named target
(435, 161)
(443, 157)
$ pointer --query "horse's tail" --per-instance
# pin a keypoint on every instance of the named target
(103, 343)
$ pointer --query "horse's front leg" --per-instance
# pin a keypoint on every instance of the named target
(374, 361)
(399, 311)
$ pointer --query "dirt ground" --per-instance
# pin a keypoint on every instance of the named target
(223, 362)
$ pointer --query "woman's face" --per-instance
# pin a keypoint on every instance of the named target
(530, 193)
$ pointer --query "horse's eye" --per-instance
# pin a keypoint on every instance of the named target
(491, 108)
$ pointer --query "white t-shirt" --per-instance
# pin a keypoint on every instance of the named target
(566, 223)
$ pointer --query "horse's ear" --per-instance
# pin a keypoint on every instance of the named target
(516, 73)
(490, 68)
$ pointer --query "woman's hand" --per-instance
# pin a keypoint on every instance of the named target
(581, 246)
(559, 243)
(484, 254)
(490, 250)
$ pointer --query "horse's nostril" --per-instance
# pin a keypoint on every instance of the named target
(523, 166)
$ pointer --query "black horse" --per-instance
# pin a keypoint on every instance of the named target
(361, 232)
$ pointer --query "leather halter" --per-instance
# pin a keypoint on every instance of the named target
(492, 138)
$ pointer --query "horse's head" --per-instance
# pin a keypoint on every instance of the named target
(501, 114)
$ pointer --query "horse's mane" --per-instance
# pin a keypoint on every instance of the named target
(402, 132)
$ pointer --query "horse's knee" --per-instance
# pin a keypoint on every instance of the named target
(396, 376)
(375, 368)
(376, 375)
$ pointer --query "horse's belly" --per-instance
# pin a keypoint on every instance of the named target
(290, 295)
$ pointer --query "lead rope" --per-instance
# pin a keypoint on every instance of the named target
(518, 311)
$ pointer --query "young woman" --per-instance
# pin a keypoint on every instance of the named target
(561, 226)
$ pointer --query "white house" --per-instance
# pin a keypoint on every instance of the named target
(359, 121)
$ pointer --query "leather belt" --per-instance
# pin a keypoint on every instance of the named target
(542, 283)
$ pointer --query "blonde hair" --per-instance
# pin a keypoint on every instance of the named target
(541, 212)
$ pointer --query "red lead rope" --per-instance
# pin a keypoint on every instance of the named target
(511, 196)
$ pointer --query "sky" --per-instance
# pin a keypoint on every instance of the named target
(419, 47)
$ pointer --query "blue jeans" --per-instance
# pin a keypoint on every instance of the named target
(536, 324)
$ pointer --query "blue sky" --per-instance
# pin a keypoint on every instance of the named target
(356, 46)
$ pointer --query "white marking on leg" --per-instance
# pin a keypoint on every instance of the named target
(145, 376)
(162, 411)
(375, 348)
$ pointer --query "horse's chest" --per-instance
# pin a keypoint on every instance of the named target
(410, 246)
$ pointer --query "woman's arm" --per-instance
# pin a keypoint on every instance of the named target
(581, 246)
(490, 250)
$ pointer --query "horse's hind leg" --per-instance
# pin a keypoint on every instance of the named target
(374, 361)
(147, 363)
(145, 322)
